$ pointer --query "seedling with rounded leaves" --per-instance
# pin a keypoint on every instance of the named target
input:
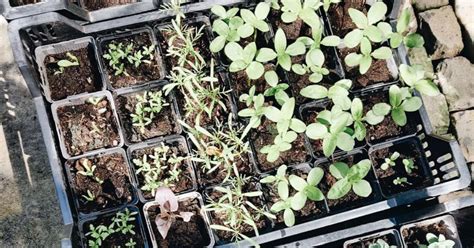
(284, 52)
(130, 243)
(65, 63)
(281, 143)
(147, 107)
(307, 189)
(226, 26)
(437, 241)
(254, 21)
(277, 90)
(366, 25)
(415, 77)
(365, 58)
(248, 59)
(301, 9)
(338, 93)
(357, 113)
(333, 128)
(409, 165)
(380, 243)
(411, 40)
(401, 101)
(400, 181)
(255, 107)
(169, 205)
(350, 178)
(390, 161)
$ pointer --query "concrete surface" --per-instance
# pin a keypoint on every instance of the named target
(29, 210)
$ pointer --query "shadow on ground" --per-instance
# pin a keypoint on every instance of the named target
(29, 210)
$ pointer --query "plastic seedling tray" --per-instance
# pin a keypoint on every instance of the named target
(181, 198)
(76, 196)
(10, 12)
(43, 51)
(444, 157)
(392, 235)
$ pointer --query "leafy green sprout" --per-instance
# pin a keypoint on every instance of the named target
(255, 107)
(301, 9)
(277, 90)
(248, 59)
(118, 55)
(130, 243)
(350, 178)
(65, 63)
(254, 21)
(89, 170)
(437, 241)
(365, 58)
(120, 224)
(147, 107)
(338, 93)
(390, 161)
(94, 100)
(400, 181)
(284, 52)
(416, 78)
(333, 128)
(90, 197)
(226, 26)
(380, 243)
(409, 165)
(357, 114)
(402, 34)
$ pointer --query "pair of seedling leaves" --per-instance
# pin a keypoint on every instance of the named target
(71, 60)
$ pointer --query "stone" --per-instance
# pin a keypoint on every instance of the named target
(422, 5)
(442, 33)
(464, 126)
(464, 10)
(455, 77)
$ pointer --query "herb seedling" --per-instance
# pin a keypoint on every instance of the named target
(89, 197)
(366, 29)
(438, 241)
(227, 27)
(364, 59)
(400, 181)
(89, 170)
(130, 243)
(401, 101)
(302, 9)
(118, 55)
(65, 63)
(248, 59)
(146, 108)
(99, 234)
(357, 114)
(390, 162)
(410, 40)
(169, 206)
(380, 243)
(338, 93)
(255, 107)
(415, 77)
(284, 52)
(120, 224)
(409, 165)
(254, 21)
(350, 178)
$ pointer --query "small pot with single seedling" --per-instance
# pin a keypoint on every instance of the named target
(101, 182)
(292, 194)
(162, 162)
(385, 239)
(69, 68)
(400, 166)
(147, 113)
(123, 228)
(437, 232)
(86, 124)
(178, 221)
(131, 58)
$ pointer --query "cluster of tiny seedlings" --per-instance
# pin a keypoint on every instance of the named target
(62, 64)
(147, 108)
(380, 243)
(88, 171)
(119, 54)
(122, 223)
(408, 164)
(160, 169)
(437, 241)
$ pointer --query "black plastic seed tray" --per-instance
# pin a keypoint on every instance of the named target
(444, 159)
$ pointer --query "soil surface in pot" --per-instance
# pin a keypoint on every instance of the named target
(350, 200)
(87, 127)
(182, 234)
(201, 46)
(15, 3)
(145, 72)
(308, 212)
(185, 179)
(75, 79)
(218, 218)
(389, 238)
(416, 235)
(265, 135)
(387, 129)
(292, 30)
(117, 239)
(101, 4)
(339, 18)
(416, 179)
(115, 190)
(164, 123)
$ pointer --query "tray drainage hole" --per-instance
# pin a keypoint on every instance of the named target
(444, 158)
(447, 167)
(431, 164)
(450, 175)
(428, 154)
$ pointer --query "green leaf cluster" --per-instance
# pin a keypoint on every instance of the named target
(65, 63)
(147, 107)
(350, 178)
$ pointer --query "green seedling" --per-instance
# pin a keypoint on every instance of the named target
(437, 242)
(410, 40)
(338, 93)
(130, 243)
(390, 162)
(350, 178)
(255, 107)
(284, 52)
(146, 108)
(226, 26)
(409, 165)
(99, 234)
(400, 181)
(301, 9)
(89, 170)
(366, 25)
(380, 243)
(365, 58)
(415, 77)
(119, 225)
(307, 189)
(65, 63)
(118, 55)
(254, 21)
(248, 59)
(357, 113)
(90, 197)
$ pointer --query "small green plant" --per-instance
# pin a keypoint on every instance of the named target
(120, 224)
(226, 26)
(357, 113)
(255, 107)
(306, 189)
(89, 170)
(90, 197)
(390, 161)
(350, 178)
(338, 93)
(410, 40)
(248, 59)
(365, 58)
(254, 21)
(401, 101)
(118, 55)
(409, 165)
(415, 77)
(65, 63)
(284, 52)
(301, 9)
(400, 181)
(146, 108)
(130, 243)
(366, 25)
(380, 243)
(99, 234)
(437, 242)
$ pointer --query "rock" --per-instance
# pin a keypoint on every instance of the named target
(422, 5)
(456, 80)
(464, 10)
(464, 125)
(442, 33)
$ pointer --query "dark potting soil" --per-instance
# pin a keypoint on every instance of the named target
(115, 190)
(101, 4)
(185, 181)
(164, 123)
(350, 200)
(75, 79)
(308, 212)
(243, 164)
(338, 14)
(292, 30)
(137, 75)
(218, 218)
(87, 127)
(407, 150)
(117, 239)
(201, 45)
(182, 234)
(15, 3)
(387, 129)
(265, 135)
(416, 235)
(389, 238)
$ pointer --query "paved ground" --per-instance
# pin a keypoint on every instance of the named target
(29, 211)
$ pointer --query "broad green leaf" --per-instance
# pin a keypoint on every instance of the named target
(382, 53)
(315, 57)
(365, 46)
(273, 155)
(427, 87)
(271, 78)
(248, 16)
(407, 74)
(262, 10)
(329, 145)
(381, 109)
(344, 83)
(284, 61)
(246, 112)
(297, 125)
(278, 206)
(331, 41)
(280, 41)
(309, 16)
(298, 201)
(386, 29)
(255, 70)
(373, 119)
(339, 124)
(414, 40)
(289, 217)
(403, 21)
(376, 12)
(353, 38)
(237, 66)
(283, 190)
(217, 44)
(249, 52)
(297, 182)
(273, 114)
(357, 109)
(288, 17)
(362, 188)
(359, 130)
(315, 78)
(281, 172)
(338, 170)
(314, 92)
(219, 11)
(314, 176)
(374, 34)
(297, 48)
(66, 63)
(245, 30)
(353, 59)
(395, 96)
(298, 69)
(339, 189)
(234, 51)
(412, 104)
(399, 116)
(268, 179)
(288, 108)
(359, 18)
(262, 26)
(316, 131)
(293, 6)
(345, 142)
(365, 64)
(220, 27)
(265, 54)
(396, 40)
(314, 194)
